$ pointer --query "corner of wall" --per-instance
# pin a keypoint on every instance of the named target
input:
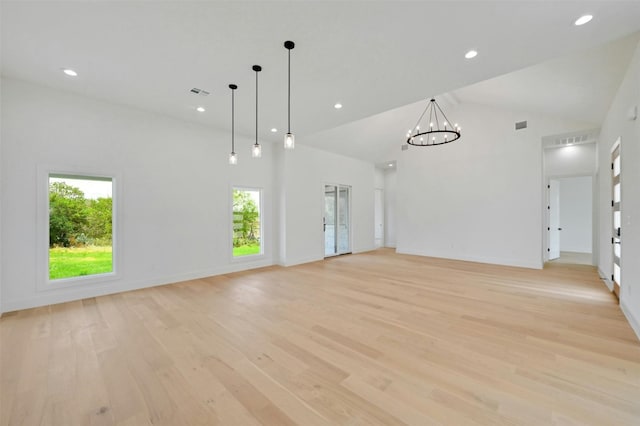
(633, 322)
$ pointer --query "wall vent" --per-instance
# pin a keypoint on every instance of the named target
(573, 140)
(521, 125)
(200, 92)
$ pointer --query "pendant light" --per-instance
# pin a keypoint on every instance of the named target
(289, 138)
(256, 149)
(233, 157)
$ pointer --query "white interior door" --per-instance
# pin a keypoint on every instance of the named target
(378, 218)
(554, 219)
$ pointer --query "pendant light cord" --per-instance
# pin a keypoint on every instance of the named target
(289, 95)
(233, 130)
(256, 107)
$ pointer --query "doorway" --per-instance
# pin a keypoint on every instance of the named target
(616, 237)
(570, 220)
(378, 217)
(337, 220)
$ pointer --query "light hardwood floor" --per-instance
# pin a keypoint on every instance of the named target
(374, 338)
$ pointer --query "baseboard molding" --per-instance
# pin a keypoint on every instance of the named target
(635, 324)
(70, 294)
(520, 263)
(606, 279)
(301, 261)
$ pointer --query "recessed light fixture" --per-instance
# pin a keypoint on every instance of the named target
(273, 130)
(583, 20)
(390, 164)
(471, 54)
(70, 72)
(338, 105)
(200, 109)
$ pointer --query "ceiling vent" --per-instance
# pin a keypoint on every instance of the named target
(573, 140)
(521, 125)
(200, 92)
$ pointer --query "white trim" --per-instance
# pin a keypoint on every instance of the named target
(615, 145)
(633, 322)
(521, 263)
(43, 283)
(83, 292)
(606, 280)
(302, 260)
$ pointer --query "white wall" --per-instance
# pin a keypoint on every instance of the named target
(176, 189)
(1, 175)
(576, 203)
(390, 202)
(479, 198)
(305, 171)
(574, 160)
(616, 124)
(378, 178)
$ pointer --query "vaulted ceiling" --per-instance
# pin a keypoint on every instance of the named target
(373, 57)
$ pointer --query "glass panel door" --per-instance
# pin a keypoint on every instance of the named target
(330, 207)
(616, 240)
(337, 220)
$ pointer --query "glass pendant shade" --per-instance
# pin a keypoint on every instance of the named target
(289, 141)
(233, 158)
(256, 151)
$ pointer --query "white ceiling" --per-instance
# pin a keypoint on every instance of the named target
(579, 87)
(372, 57)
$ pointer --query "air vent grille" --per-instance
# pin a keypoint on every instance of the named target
(572, 140)
(200, 92)
(521, 125)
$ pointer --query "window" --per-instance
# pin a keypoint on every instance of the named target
(80, 226)
(247, 222)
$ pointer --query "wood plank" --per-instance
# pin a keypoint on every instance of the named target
(375, 338)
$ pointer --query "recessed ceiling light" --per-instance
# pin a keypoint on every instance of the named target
(338, 105)
(273, 130)
(70, 72)
(583, 20)
(200, 109)
(390, 164)
(471, 54)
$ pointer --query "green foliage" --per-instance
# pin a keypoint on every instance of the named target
(79, 261)
(67, 214)
(76, 221)
(246, 249)
(246, 221)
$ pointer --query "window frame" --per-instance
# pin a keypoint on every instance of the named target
(44, 283)
(248, 257)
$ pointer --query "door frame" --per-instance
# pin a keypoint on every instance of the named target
(382, 195)
(595, 233)
(350, 218)
(616, 286)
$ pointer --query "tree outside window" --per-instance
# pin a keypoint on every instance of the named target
(80, 226)
(246, 222)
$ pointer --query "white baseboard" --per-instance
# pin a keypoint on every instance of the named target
(606, 279)
(300, 261)
(635, 324)
(521, 263)
(70, 294)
